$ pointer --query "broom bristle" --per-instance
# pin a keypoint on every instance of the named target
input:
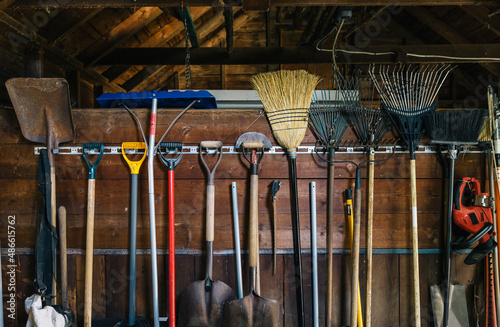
(462, 126)
(286, 96)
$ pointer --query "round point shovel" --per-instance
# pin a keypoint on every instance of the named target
(202, 302)
(252, 310)
(90, 148)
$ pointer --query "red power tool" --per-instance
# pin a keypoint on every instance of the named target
(472, 213)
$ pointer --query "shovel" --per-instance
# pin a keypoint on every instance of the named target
(202, 302)
(87, 149)
(252, 143)
(253, 310)
(44, 112)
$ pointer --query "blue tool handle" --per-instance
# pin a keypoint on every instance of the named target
(92, 167)
(170, 147)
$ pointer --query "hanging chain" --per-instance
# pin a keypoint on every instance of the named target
(187, 72)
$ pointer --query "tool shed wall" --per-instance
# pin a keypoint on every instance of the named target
(392, 293)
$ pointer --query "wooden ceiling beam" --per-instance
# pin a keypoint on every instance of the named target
(147, 75)
(26, 36)
(481, 14)
(160, 38)
(5, 3)
(298, 55)
(213, 41)
(263, 5)
(446, 31)
(67, 24)
(120, 33)
(468, 81)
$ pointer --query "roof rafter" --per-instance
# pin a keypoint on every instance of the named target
(142, 77)
(481, 15)
(404, 33)
(445, 31)
(238, 23)
(161, 37)
(26, 36)
(120, 33)
(66, 28)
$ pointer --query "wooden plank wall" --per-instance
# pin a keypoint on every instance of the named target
(392, 272)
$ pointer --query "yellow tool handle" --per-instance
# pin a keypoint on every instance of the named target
(134, 165)
(350, 219)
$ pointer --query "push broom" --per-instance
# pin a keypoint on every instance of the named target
(286, 96)
(452, 129)
(408, 94)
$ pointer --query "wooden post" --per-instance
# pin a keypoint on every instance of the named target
(33, 66)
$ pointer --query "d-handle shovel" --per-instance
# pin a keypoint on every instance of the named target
(253, 146)
(202, 302)
(134, 166)
(90, 148)
(252, 310)
(174, 148)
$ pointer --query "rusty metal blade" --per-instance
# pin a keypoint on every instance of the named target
(43, 109)
(252, 311)
(197, 307)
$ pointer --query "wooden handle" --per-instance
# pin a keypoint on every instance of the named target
(253, 145)
(210, 212)
(61, 213)
(253, 227)
(369, 240)
(416, 281)
(89, 251)
(211, 144)
(330, 229)
(355, 258)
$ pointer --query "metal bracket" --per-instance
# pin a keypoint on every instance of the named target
(116, 150)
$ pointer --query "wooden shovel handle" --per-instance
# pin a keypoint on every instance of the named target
(61, 213)
(369, 240)
(87, 314)
(210, 212)
(416, 281)
(253, 227)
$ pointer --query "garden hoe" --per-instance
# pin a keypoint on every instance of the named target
(171, 148)
(253, 310)
(134, 166)
(90, 149)
(202, 302)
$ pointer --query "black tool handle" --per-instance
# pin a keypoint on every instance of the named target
(297, 261)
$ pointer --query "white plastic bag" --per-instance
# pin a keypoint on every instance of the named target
(38, 317)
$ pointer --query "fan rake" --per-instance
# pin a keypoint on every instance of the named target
(408, 94)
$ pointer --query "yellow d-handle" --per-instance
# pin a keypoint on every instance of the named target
(134, 165)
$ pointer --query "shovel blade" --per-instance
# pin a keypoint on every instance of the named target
(200, 308)
(43, 109)
(252, 311)
(458, 316)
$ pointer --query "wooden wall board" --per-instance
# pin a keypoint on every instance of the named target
(392, 223)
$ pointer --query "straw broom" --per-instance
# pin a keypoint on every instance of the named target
(286, 96)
